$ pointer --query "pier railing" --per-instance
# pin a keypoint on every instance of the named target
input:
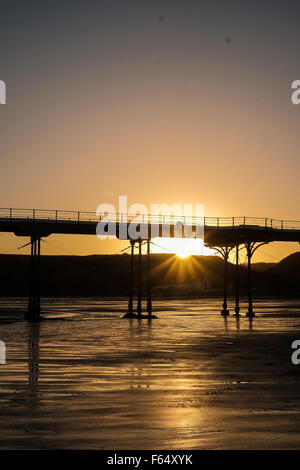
(56, 216)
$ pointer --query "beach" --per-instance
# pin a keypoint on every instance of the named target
(84, 378)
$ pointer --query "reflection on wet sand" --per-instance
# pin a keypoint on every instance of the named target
(190, 379)
(33, 362)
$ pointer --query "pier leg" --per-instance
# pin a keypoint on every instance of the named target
(139, 301)
(29, 309)
(130, 300)
(149, 300)
(237, 283)
(38, 278)
(251, 248)
(225, 311)
(224, 252)
(250, 312)
(33, 313)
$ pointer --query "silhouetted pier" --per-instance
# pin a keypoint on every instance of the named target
(224, 234)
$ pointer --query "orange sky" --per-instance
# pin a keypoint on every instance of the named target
(154, 102)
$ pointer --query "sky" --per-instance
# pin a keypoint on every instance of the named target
(165, 101)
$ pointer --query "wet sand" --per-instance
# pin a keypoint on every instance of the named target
(86, 379)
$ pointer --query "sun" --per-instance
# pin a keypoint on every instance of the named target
(183, 252)
(182, 247)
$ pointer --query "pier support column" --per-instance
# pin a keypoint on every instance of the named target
(139, 300)
(33, 313)
(250, 312)
(224, 252)
(225, 311)
(251, 248)
(130, 300)
(237, 282)
(149, 286)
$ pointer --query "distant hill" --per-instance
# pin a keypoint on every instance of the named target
(262, 267)
(108, 275)
(289, 265)
(282, 278)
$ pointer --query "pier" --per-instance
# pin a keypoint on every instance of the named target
(224, 234)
